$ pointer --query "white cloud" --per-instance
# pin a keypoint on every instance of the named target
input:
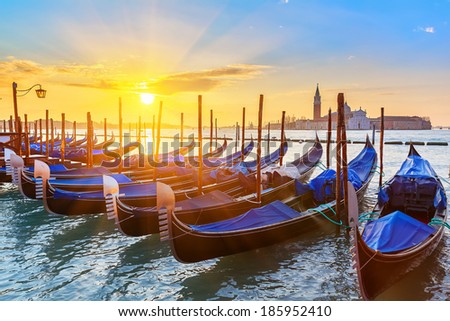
(427, 29)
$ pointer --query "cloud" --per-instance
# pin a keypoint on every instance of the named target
(426, 29)
(204, 80)
(25, 67)
(193, 81)
(112, 76)
(101, 84)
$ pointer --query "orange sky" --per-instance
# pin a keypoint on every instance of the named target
(88, 54)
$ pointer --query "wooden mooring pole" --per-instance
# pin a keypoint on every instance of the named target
(283, 117)
(243, 135)
(211, 126)
(200, 145)
(380, 183)
(40, 136)
(330, 128)
(63, 142)
(120, 134)
(258, 151)
(338, 160)
(46, 134)
(344, 159)
(181, 130)
(27, 140)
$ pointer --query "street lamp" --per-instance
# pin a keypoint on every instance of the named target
(19, 93)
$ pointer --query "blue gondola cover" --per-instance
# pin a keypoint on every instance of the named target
(415, 177)
(214, 198)
(271, 213)
(96, 180)
(361, 161)
(416, 166)
(323, 185)
(395, 232)
(148, 190)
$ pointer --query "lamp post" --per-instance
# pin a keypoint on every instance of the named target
(19, 93)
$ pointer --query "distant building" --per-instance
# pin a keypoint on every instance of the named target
(317, 105)
(353, 119)
(403, 122)
(357, 119)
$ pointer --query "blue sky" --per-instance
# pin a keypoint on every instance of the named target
(89, 53)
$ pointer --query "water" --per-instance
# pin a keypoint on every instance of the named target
(51, 257)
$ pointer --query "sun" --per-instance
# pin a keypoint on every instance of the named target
(147, 98)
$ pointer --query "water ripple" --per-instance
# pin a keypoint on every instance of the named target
(52, 257)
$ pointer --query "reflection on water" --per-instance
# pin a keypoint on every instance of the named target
(51, 257)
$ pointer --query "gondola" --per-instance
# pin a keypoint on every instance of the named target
(6, 170)
(275, 222)
(90, 180)
(99, 156)
(141, 161)
(62, 172)
(40, 147)
(211, 206)
(75, 142)
(175, 164)
(106, 142)
(60, 201)
(410, 213)
(56, 153)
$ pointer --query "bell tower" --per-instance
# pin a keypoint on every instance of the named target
(317, 104)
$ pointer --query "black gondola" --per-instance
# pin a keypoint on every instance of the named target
(411, 211)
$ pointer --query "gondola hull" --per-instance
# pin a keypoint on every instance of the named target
(403, 235)
(274, 223)
(68, 202)
(85, 198)
(142, 221)
(188, 246)
(379, 271)
(136, 221)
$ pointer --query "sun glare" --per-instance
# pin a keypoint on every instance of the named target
(147, 98)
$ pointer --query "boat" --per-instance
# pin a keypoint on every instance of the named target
(58, 200)
(266, 225)
(176, 164)
(407, 226)
(90, 180)
(211, 206)
(79, 142)
(142, 161)
(99, 156)
(6, 170)
(106, 142)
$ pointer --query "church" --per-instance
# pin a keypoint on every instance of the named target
(358, 120)
(353, 119)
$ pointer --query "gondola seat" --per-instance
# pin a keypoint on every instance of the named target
(414, 196)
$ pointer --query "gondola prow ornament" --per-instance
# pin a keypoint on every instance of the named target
(165, 198)
(42, 175)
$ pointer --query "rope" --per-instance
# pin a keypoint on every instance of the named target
(444, 180)
(367, 216)
(437, 221)
(316, 209)
(378, 172)
(321, 165)
(330, 207)
(253, 202)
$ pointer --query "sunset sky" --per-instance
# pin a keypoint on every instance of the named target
(87, 54)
